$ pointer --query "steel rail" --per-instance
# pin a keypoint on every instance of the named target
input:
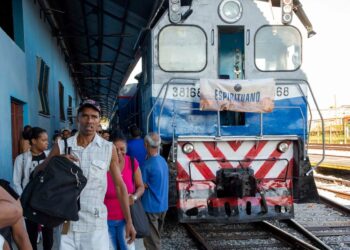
(313, 238)
(286, 237)
(332, 179)
(344, 195)
(200, 240)
(335, 205)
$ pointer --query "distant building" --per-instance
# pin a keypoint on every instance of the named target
(336, 125)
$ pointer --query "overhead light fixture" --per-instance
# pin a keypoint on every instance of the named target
(230, 11)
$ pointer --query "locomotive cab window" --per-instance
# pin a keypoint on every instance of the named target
(182, 48)
(278, 48)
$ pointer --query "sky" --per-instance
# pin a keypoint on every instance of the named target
(326, 56)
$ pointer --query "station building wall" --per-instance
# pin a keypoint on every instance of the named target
(32, 42)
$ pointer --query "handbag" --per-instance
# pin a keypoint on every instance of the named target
(138, 215)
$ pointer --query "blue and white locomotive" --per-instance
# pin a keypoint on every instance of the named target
(229, 164)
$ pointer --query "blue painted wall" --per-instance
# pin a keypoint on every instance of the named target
(18, 79)
(13, 79)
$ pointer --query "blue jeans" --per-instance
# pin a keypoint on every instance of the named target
(116, 230)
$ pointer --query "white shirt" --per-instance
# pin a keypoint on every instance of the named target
(2, 241)
(22, 169)
(94, 160)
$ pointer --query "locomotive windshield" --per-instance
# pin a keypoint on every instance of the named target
(182, 48)
(278, 48)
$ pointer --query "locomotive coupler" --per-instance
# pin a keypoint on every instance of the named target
(235, 183)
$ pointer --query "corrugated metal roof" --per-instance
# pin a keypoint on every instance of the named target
(98, 38)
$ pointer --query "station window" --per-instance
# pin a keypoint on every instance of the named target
(182, 48)
(6, 17)
(61, 96)
(278, 48)
(11, 20)
(70, 109)
(43, 85)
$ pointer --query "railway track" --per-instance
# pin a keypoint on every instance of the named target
(338, 186)
(338, 147)
(260, 235)
(302, 233)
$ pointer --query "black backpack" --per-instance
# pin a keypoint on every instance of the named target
(52, 196)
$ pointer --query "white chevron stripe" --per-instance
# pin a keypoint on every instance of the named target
(229, 153)
(240, 154)
(204, 153)
(279, 166)
(264, 154)
(183, 159)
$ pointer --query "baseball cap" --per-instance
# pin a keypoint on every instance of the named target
(89, 103)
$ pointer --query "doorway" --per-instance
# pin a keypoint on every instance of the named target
(231, 66)
(16, 126)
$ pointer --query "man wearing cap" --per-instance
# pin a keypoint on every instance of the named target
(95, 156)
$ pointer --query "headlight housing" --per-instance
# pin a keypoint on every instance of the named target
(174, 11)
(287, 11)
(230, 11)
(187, 148)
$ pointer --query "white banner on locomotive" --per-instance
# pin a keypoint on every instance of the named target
(238, 95)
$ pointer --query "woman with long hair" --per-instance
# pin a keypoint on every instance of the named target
(25, 164)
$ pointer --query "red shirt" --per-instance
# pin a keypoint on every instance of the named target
(111, 201)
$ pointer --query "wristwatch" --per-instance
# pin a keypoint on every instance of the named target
(134, 197)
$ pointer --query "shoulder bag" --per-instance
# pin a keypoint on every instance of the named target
(52, 196)
(138, 215)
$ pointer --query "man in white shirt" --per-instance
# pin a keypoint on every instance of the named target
(95, 156)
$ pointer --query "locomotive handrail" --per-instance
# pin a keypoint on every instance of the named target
(303, 95)
(302, 115)
(171, 81)
(295, 82)
(319, 112)
(261, 128)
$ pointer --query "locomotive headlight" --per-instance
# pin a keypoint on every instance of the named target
(287, 11)
(187, 148)
(175, 7)
(230, 11)
(175, 11)
(287, 18)
(283, 147)
(287, 8)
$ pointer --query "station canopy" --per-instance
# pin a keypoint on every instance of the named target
(100, 40)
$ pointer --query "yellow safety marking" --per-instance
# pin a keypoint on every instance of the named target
(333, 166)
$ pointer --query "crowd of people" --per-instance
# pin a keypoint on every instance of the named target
(119, 172)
